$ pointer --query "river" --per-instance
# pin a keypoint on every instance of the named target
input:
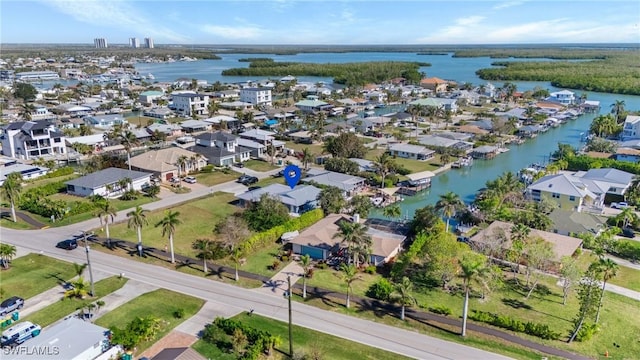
(464, 182)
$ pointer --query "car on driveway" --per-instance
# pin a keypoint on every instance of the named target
(190, 180)
(247, 180)
(69, 244)
(11, 304)
(619, 205)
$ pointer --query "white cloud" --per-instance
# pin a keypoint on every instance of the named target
(231, 32)
(470, 20)
(507, 4)
(116, 14)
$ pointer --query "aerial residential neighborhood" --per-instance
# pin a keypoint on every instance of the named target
(168, 200)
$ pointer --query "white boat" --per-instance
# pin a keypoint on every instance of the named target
(150, 76)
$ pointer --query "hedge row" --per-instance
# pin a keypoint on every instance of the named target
(540, 330)
(272, 235)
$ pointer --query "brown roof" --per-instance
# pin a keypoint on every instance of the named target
(161, 160)
(433, 80)
(184, 353)
(321, 233)
(627, 151)
(562, 245)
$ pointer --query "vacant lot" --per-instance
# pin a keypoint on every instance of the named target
(216, 177)
(32, 274)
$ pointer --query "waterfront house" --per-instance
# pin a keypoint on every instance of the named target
(107, 182)
(421, 179)
(440, 142)
(149, 97)
(349, 184)
(566, 191)
(485, 152)
(192, 126)
(32, 139)
(414, 152)
(364, 165)
(298, 200)
(312, 105)
(256, 96)
(564, 97)
(104, 122)
(190, 104)
(631, 127)
(158, 113)
(501, 231)
(28, 172)
(163, 164)
(220, 148)
(627, 154)
(42, 113)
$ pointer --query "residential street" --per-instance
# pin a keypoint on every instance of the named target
(238, 299)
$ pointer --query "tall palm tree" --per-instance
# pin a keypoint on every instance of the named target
(449, 204)
(128, 139)
(182, 164)
(11, 190)
(106, 211)
(403, 294)
(203, 246)
(7, 252)
(26, 110)
(305, 262)
(349, 275)
(617, 108)
(168, 224)
(306, 158)
(138, 219)
(384, 166)
(608, 269)
(356, 237)
(392, 211)
(473, 271)
(237, 255)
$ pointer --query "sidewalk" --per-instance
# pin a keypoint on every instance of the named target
(278, 283)
(131, 290)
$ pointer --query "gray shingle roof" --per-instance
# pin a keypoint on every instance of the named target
(298, 196)
(106, 176)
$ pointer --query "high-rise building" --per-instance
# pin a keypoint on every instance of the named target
(148, 43)
(134, 42)
(100, 43)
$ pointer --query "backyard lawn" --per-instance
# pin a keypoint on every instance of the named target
(316, 149)
(154, 304)
(216, 177)
(64, 307)
(32, 274)
(198, 220)
(259, 165)
(305, 341)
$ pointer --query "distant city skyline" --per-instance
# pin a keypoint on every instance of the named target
(316, 22)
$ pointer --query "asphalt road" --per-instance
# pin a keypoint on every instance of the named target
(377, 335)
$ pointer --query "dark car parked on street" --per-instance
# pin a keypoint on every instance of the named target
(68, 244)
(247, 180)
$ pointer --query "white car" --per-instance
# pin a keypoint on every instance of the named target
(619, 205)
(190, 180)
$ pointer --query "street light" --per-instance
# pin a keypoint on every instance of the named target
(86, 248)
(290, 326)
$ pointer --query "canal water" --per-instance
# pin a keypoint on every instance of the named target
(465, 182)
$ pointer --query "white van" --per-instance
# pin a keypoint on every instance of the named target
(19, 333)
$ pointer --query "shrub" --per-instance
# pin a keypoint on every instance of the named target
(371, 269)
(284, 258)
(178, 314)
(380, 290)
(207, 169)
(586, 332)
(272, 235)
(310, 273)
(440, 309)
(540, 330)
(322, 266)
(275, 265)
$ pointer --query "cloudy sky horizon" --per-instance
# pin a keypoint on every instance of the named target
(317, 22)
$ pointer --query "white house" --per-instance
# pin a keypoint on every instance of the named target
(631, 128)
(42, 113)
(407, 151)
(220, 148)
(32, 139)
(190, 104)
(564, 97)
(107, 182)
(256, 96)
(27, 172)
(105, 122)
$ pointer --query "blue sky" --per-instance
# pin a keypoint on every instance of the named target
(320, 22)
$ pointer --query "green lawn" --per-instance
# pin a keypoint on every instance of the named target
(216, 177)
(40, 182)
(416, 166)
(270, 180)
(259, 165)
(6, 222)
(626, 277)
(259, 261)
(198, 220)
(332, 280)
(32, 274)
(316, 149)
(160, 304)
(304, 341)
(64, 307)
(118, 204)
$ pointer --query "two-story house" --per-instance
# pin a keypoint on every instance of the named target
(564, 97)
(256, 96)
(32, 139)
(190, 104)
(631, 127)
(220, 148)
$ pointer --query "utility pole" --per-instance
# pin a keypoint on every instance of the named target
(290, 326)
(86, 247)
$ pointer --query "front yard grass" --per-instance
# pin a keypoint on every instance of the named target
(6, 222)
(64, 307)
(198, 220)
(626, 277)
(117, 204)
(216, 177)
(160, 304)
(32, 274)
(259, 261)
(315, 149)
(259, 165)
(305, 341)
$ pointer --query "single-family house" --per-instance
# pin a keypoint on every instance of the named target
(32, 139)
(364, 165)
(312, 106)
(257, 96)
(190, 104)
(298, 200)
(223, 121)
(164, 163)
(631, 127)
(564, 97)
(104, 122)
(566, 191)
(220, 148)
(434, 84)
(485, 152)
(420, 179)
(571, 223)
(191, 126)
(562, 245)
(408, 151)
(149, 97)
(108, 182)
(263, 137)
(627, 154)
(41, 112)
(167, 129)
(349, 184)
(28, 172)
(305, 137)
(441, 142)
(162, 113)
(612, 183)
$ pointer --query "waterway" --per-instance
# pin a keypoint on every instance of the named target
(465, 182)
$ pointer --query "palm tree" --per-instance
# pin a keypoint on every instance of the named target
(7, 252)
(168, 225)
(608, 269)
(137, 219)
(79, 290)
(128, 139)
(305, 262)
(449, 204)
(203, 246)
(356, 237)
(392, 211)
(473, 271)
(26, 110)
(79, 269)
(307, 157)
(237, 256)
(384, 166)
(617, 108)
(349, 275)
(402, 294)
(11, 190)
(181, 163)
(106, 211)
